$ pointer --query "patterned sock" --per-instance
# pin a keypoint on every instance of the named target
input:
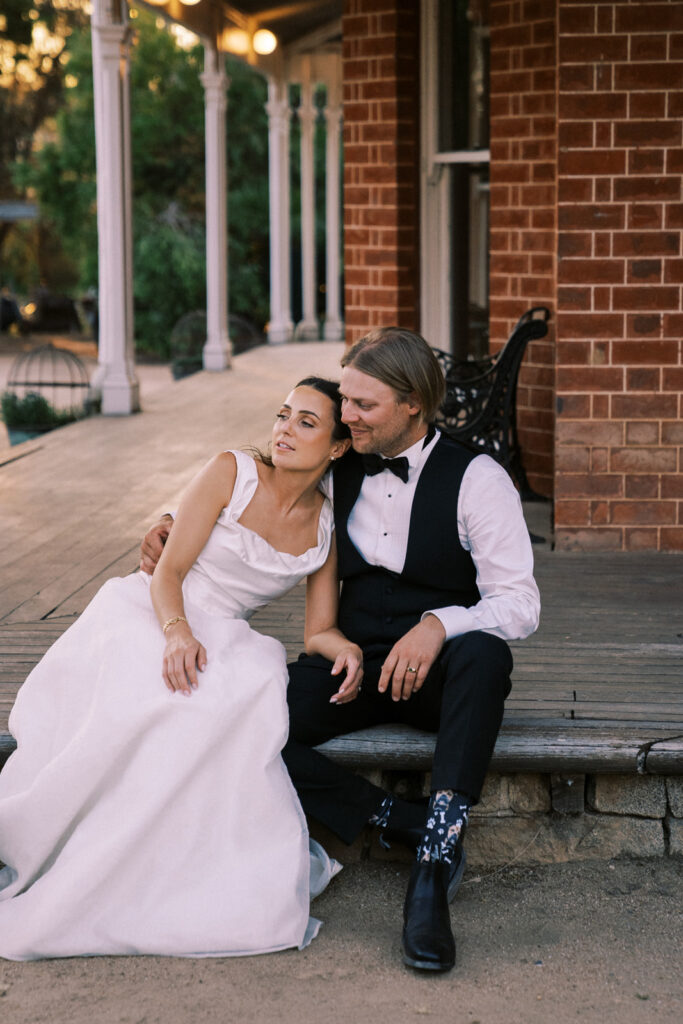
(381, 816)
(446, 820)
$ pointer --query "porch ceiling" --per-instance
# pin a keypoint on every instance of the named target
(292, 23)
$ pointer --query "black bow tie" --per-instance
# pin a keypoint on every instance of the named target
(373, 464)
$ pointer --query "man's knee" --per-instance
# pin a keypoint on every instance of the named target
(482, 657)
(308, 695)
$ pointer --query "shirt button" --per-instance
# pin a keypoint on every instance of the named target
(389, 590)
(389, 618)
(384, 534)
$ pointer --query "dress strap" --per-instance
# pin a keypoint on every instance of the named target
(246, 483)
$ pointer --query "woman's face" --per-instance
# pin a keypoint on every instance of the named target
(302, 433)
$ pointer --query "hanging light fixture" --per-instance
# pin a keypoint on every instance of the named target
(236, 40)
(189, 3)
(264, 41)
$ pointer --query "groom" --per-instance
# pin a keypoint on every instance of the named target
(436, 568)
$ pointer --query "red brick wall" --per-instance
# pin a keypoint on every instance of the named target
(619, 480)
(381, 152)
(523, 208)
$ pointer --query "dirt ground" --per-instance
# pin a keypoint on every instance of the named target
(597, 942)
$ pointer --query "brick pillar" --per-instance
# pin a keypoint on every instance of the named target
(523, 209)
(381, 151)
(619, 481)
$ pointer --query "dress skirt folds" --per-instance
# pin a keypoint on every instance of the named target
(133, 820)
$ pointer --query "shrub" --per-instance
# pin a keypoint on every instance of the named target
(33, 412)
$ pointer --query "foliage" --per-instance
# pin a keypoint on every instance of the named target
(33, 412)
(187, 344)
(169, 250)
(33, 58)
(167, 132)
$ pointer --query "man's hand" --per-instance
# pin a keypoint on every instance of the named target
(411, 658)
(153, 544)
(351, 659)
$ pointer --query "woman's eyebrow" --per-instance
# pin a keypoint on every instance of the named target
(304, 412)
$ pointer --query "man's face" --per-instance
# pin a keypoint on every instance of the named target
(378, 419)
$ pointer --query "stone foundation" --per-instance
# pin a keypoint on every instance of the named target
(529, 819)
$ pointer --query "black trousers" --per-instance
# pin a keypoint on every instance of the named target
(461, 701)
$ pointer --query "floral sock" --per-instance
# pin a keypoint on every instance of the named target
(446, 822)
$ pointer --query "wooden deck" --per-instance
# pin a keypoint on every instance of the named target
(604, 671)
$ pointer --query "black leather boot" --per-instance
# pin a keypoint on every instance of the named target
(412, 837)
(428, 942)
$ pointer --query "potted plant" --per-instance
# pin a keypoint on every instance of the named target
(31, 415)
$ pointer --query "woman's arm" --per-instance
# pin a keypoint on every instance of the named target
(321, 634)
(202, 503)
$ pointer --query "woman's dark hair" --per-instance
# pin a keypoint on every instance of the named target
(325, 387)
(331, 389)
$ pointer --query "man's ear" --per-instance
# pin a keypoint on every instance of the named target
(413, 403)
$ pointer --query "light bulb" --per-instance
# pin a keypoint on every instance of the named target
(264, 41)
(236, 40)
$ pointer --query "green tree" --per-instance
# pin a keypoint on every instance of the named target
(167, 129)
(33, 61)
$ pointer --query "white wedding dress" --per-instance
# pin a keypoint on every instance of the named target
(133, 820)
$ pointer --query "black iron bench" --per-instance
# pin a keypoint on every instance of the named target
(480, 407)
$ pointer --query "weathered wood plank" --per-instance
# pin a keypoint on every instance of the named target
(665, 756)
(544, 749)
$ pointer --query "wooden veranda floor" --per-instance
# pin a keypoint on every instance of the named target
(73, 507)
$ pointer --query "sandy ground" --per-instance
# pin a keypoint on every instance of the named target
(598, 942)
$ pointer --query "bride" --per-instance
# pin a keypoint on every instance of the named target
(147, 808)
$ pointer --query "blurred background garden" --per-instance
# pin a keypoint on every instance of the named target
(48, 216)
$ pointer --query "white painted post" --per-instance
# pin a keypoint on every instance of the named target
(218, 349)
(280, 328)
(334, 326)
(115, 380)
(308, 328)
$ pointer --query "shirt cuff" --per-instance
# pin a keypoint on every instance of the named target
(455, 620)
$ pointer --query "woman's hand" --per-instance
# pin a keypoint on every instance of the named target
(183, 656)
(349, 658)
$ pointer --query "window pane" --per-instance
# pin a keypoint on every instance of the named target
(463, 75)
(469, 260)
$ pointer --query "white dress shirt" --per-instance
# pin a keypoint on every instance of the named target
(490, 526)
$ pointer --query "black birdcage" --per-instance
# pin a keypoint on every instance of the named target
(46, 388)
(56, 374)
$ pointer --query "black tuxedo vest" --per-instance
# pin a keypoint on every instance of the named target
(378, 606)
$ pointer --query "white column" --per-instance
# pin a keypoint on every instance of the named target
(115, 380)
(281, 327)
(308, 328)
(334, 326)
(217, 350)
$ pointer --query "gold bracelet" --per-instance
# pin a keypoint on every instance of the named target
(172, 622)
